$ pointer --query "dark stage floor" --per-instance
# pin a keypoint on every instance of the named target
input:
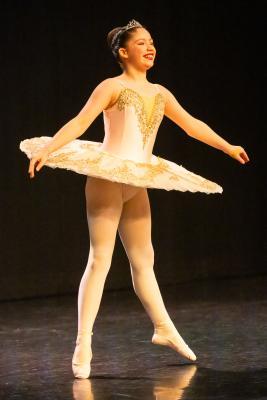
(224, 322)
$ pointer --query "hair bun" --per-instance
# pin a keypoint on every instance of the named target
(111, 35)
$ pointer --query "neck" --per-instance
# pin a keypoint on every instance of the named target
(132, 74)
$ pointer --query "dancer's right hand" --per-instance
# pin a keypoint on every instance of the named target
(39, 159)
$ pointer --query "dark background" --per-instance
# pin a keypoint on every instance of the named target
(210, 55)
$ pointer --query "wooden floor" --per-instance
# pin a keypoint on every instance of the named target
(224, 322)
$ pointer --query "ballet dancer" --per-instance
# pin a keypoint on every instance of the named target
(119, 170)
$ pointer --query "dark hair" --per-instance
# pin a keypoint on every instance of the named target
(122, 38)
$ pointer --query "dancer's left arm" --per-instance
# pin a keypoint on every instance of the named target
(199, 129)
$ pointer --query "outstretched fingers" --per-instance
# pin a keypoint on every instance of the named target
(244, 156)
(37, 162)
(238, 153)
(33, 161)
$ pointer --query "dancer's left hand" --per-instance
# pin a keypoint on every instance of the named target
(238, 153)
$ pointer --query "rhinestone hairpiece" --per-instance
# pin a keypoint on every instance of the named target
(131, 24)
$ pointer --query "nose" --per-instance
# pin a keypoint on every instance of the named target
(151, 47)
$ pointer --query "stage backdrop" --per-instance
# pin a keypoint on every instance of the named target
(53, 55)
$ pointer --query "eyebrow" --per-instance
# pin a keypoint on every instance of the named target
(144, 39)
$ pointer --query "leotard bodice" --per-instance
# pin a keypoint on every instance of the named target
(125, 155)
(131, 124)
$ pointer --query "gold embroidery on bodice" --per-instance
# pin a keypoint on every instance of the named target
(147, 124)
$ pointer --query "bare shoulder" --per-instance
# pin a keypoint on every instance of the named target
(164, 91)
(110, 83)
(109, 90)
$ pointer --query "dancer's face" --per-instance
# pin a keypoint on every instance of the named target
(139, 50)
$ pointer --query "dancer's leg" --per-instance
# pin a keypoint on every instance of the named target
(103, 206)
(135, 233)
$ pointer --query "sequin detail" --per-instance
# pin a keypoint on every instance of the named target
(86, 157)
(128, 172)
(129, 97)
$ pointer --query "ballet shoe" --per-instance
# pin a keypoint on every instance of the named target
(82, 369)
(176, 342)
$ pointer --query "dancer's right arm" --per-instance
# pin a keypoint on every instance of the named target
(102, 96)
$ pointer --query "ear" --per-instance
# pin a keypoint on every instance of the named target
(123, 53)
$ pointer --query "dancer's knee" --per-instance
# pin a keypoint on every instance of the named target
(141, 259)
(100, 260)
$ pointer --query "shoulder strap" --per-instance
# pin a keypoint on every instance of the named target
(157, 87)
(121, 83)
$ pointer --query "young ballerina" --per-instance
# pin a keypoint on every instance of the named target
(119, 171)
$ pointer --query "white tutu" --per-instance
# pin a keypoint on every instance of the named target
(85, 157)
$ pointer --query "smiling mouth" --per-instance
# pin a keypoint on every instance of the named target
(149, 56)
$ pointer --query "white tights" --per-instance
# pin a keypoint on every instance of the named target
(110, 207)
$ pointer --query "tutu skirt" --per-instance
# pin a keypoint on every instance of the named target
(86, 158)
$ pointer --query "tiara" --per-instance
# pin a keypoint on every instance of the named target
(131, 24)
